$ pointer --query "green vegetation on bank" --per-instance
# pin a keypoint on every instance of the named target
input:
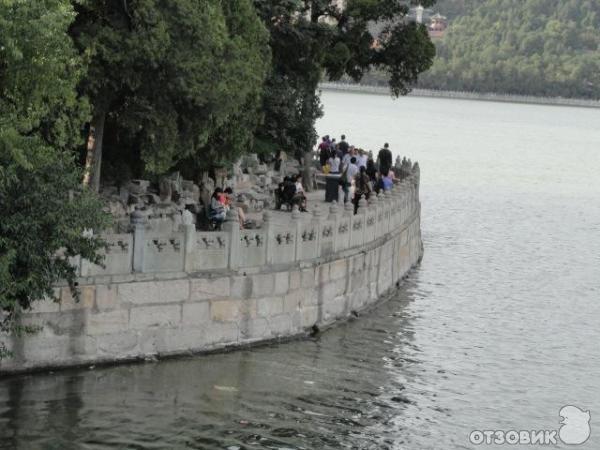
(525, 47)
(42, 216)
(109, 90)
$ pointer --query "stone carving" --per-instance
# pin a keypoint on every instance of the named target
(308, 235)
(159, 244)
(327, 231)
(112, 246)
(357, 225)
(343, 229)
(176, 243)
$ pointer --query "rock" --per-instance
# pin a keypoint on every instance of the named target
(138, 186)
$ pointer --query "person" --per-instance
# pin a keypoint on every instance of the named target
(371, 170)
(347, 177)
(348, 156)
(387, 182)
(343, 146)
(362, 187)
(229, 204)
(324, 151)
(362, 158)
(385, 159)
(299, 196)
(217, 211)
(334, 163)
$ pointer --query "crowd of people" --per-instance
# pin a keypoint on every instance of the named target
(360, 173)
(221, 202)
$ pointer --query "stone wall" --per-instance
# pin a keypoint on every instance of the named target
(192, 292)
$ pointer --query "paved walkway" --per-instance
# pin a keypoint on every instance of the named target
(315, 198)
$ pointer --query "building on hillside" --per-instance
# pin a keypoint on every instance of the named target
(437, 26)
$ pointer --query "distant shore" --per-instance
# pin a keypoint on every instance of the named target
(381, 90)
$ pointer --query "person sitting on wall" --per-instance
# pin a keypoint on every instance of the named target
(229, 198)
(285, 193)
(334, 163)
(362, 187)
(217, 211)
(300, 197)
(388, 182)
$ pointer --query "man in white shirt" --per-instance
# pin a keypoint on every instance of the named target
(350, 171)
(347, 156)
(362, 159)
(334, 164)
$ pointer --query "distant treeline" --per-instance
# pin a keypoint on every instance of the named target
(524, 47)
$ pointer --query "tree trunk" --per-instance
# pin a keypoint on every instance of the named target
(93, 159)
(307, 179)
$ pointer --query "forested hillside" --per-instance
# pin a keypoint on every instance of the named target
(529, 47)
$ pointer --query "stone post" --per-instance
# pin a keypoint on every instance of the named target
(232, 226)
(296, 225)
(348, 214)
(388, 210)
(268, 227)
(316, 219)
(333, 217)
(189, 239)
(380, 212)
(362, 211)
(373, 211)
(138, 222)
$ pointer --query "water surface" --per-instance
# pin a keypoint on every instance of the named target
(497, 329)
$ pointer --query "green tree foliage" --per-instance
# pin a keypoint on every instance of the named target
(43, 217)
(313, 38)
(528, 47)
(170, 80)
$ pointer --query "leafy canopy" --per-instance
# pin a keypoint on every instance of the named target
(178, 79)
(315, 38)
(43, 218)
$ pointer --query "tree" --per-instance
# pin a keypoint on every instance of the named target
(313, 38)
(43, 217)
(169, 79)
(530, 47)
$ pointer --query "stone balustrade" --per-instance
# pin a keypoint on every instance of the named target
(171, 293)
(189, 250)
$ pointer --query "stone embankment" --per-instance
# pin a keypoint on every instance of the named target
(171, 293)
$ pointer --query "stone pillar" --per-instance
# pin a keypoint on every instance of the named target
(295, 225)
(348, 214)
(138, 222)
(189, 236)
(333, 217)
(232, 227)
(381, 211)
(268, 227)
(362, 211)
(316, 219)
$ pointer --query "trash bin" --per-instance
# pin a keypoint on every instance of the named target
(332, 185)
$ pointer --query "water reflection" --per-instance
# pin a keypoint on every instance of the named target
(346, 388)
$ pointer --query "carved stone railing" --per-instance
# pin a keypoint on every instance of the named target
(326, 233)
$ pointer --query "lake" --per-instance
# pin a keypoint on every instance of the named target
(498, 328)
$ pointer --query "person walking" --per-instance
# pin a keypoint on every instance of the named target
(362, 187)
(343, 146)
(347, 177)
(385, 159)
